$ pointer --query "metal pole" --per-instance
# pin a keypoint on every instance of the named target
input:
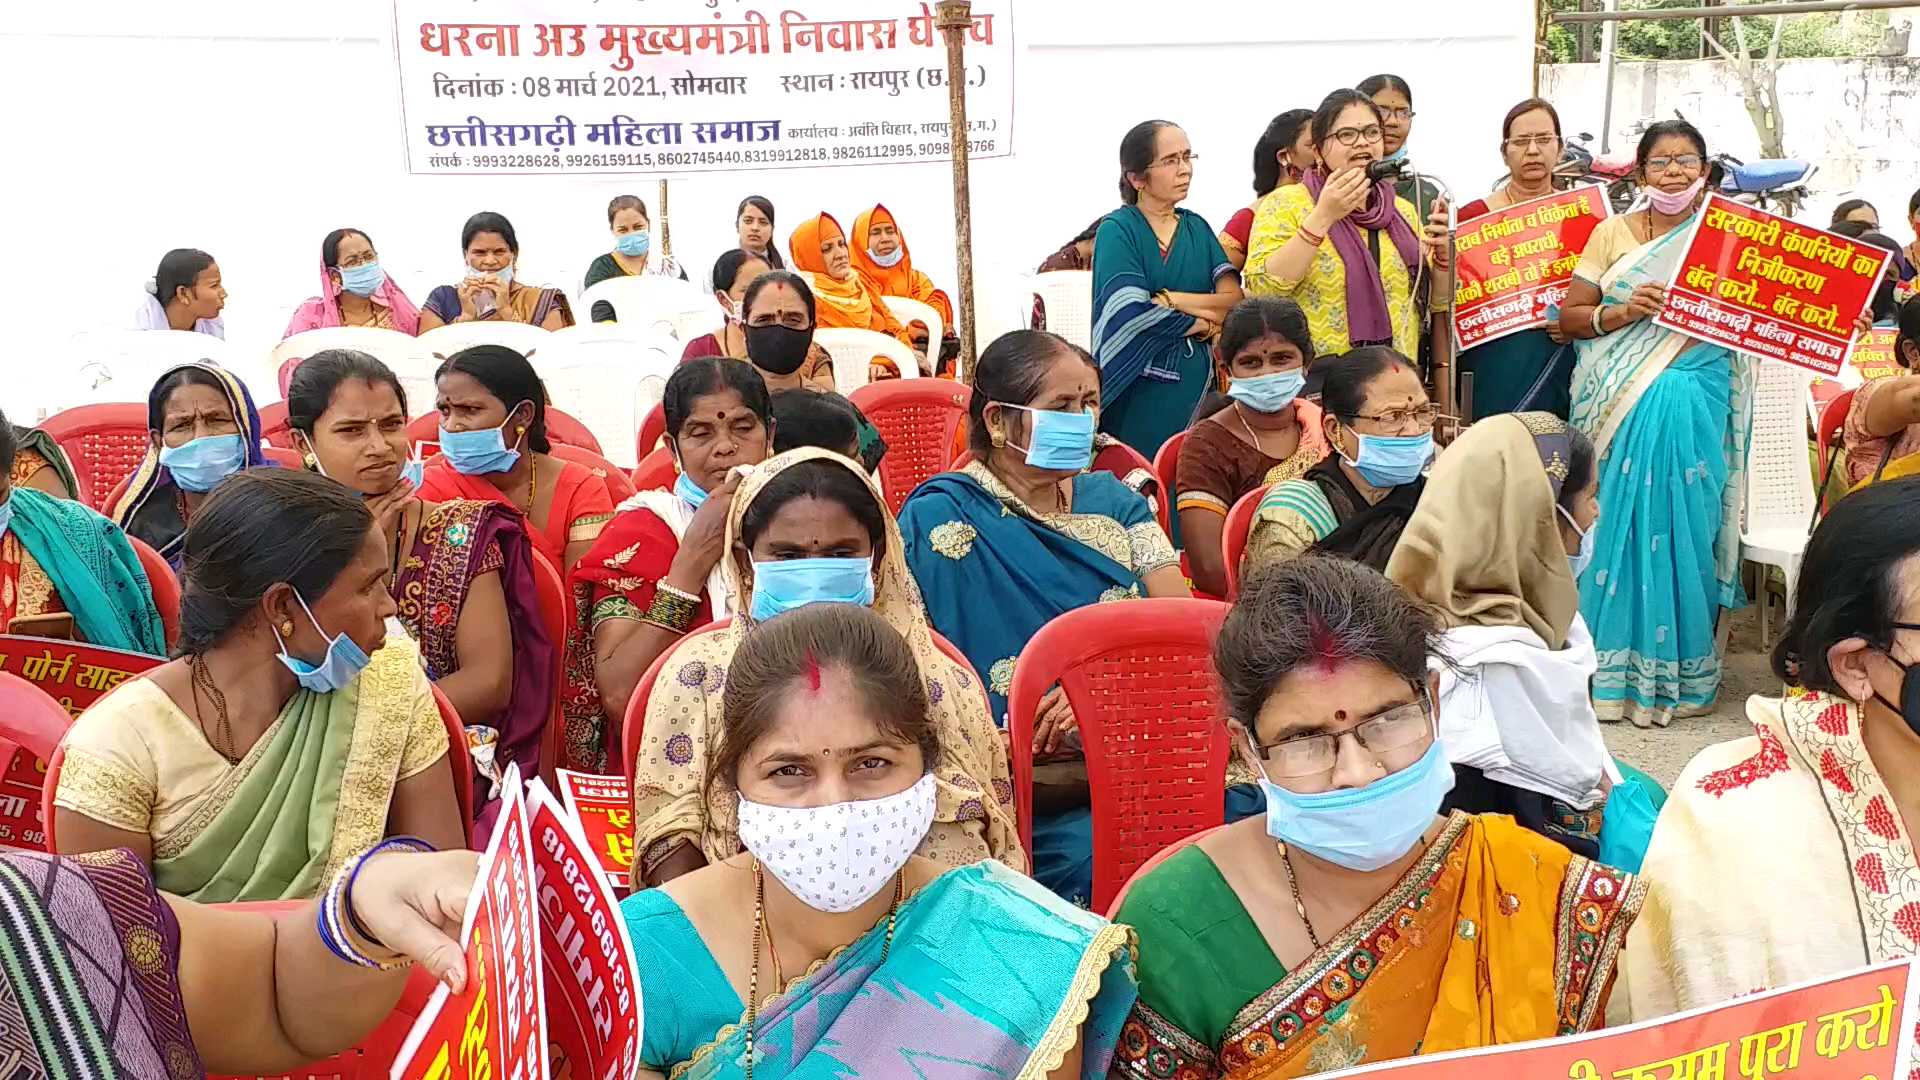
(1609, 37)
(1785, 7)
(955, 19)
(666, 234)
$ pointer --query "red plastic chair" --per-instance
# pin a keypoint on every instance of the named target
(372, 1058)
(562, 428)
(652, 430)
(1166, 466)
(1147, 867)
(165, 586)
(284, 457)
(1124, 461)
(553, 611)
(459, 758)
(106, 443)
(32, 724)
(286, 373)
(1139, 676)
(917, 418)
(1832, 419)
(619, 484)
(1233, 535)
(275, 428)
(656, 471)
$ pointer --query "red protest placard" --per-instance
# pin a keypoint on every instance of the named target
(1769, 286)
(20, 785)
(1876, 355)
(603, 805)
(1511, 264)
(1843, 1028)
(591, 982)
(495, 1029)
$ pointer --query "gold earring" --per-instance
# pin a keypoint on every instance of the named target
(998, 438)
(520, 432)
(286, 628)
(312, 462)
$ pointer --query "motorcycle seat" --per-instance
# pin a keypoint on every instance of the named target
(1766, 175)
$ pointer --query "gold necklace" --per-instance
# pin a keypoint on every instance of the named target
(761, 926)
(1299, 905)
(221, 737)
(1251, 434)
(533, 482)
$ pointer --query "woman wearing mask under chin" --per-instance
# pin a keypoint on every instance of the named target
(830, 722)
(201, 428)
(1268, 434)
(1504, 529)
(354, 290)
(1352, 899)
(489, 289)
(809, 527)
(290, 734)
(493, 447)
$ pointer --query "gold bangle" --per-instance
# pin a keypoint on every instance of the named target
(672, 609)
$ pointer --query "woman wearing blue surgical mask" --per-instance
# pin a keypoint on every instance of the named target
(654, 573)
(1023, 533)
(355, 290)
(1353, 503)
(491, 287)
(290, 733)
(1267, 432)
(1354, 899)
(201, 428)
(493, 447)
(462, 571)
(810, 527)
(1496, 547)
(634, 253)
(828, 750)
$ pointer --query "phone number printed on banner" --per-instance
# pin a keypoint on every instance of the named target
(1771, 287)
(549, 86)
(603, 808)
(1512, 264)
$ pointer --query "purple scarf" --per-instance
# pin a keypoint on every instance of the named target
(1366, 294)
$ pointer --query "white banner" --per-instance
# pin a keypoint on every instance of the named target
(550, 86)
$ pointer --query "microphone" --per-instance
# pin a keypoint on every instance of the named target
(1383, 169)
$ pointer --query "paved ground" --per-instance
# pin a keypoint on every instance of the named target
(1662, 752)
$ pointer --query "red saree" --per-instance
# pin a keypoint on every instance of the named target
(580, 508)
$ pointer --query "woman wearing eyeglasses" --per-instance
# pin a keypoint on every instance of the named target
(1161, 287)
(1529, 370)
(1353, 923)
(1493, 550)
(1395, 100)
(1347, 249)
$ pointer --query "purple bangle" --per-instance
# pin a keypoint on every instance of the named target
(408, 843)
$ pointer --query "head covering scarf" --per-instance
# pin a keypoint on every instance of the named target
(843, 301)
(1484, 547)
(900, 279)
(324, 310)
(148, 510)
(1367, 318)
(683, 722)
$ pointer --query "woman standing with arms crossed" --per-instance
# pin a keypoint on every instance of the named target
(1161, 287)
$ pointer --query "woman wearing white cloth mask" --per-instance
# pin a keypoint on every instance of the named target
(828, 946)
(1503, 530)
(1352, 899)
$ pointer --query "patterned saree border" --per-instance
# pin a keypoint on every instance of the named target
(1063, 1034)
(1154, 1048)
(1598, 905)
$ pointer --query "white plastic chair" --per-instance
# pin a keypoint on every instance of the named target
(609, 384)
(451, 338)
(1780, 497)
(390, 347)
(853, 350)
(1068, 296)
(654, 303)
(912, 311)
(114, 365)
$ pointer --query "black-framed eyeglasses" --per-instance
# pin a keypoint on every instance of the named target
(1304, 757)
(1354, 136)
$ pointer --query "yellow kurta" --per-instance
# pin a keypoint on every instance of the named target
(1322, 293)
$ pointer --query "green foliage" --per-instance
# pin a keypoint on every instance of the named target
(1825, 34)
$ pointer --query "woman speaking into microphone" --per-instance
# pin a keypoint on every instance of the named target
(1343, 246)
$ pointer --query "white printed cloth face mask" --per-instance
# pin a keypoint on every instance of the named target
(839, 856)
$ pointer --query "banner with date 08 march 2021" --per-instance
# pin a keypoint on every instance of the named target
(678, 86)
(1771, 287)
(1853, 1026)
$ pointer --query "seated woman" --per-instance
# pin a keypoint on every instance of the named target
(273, 750)
(199, 987)
(489, 291)
(654, 573)
(779, 311)
(880, 257)
(1024, 533)
(753, 222)
(201, 428)
(809, 526)
(461, 572)
(1267, 434)
(184, 294)
(1493, 550)
(1882, 429)
(632, 254)
(741, 273)
(354, 290)
(820, 252)
(484, 392)
(40, 463)
(65, 571)
(1355, 501)
(1392, 931)
(804, 418)
(829, 716)
(1817, 801)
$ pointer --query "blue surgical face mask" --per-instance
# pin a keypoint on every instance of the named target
(690, 493)
(1268, 393)
(633, 244)
(1397, 155)
(414, 472)
(1391, 460)
(336, 671)
(204, 462)
(783, 585)
(480, 452)
(1062, 441)
(362, 280)
(504, 275)
(889, 260)
(1578, 562)
(6, 512)
(1363, 828)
